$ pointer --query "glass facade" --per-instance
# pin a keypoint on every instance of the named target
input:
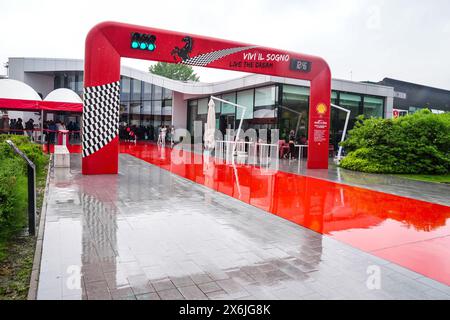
(144, 107)
(373, 107)
(283, 107)
(358, 104)
(260, 113)
(73, 81)
(69, 80)
(246, 99)
(293, 111)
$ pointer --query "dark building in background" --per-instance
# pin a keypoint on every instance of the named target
(412, 97)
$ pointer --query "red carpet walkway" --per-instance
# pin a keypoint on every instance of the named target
(412, 233)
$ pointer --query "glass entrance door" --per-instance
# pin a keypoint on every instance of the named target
(226, 121)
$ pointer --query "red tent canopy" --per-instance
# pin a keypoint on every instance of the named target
(61, 106)
(35, 105)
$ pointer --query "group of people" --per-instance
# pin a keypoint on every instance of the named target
(287, 146)
(166, 133)
(74, 130)
(52, 127)
(17, 127)
(132, 133)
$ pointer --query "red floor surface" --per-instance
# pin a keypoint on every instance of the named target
(412, 233)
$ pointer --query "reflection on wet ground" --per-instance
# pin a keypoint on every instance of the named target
(150, 234)
(434, 192)
(393, 184)
(409, 232)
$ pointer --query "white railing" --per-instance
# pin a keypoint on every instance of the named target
(268, 154)
(263, 154)
(243, 108)
(224, 151)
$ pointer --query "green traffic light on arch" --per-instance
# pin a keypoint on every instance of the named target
(143, 41)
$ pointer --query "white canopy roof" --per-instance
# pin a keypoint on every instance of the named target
(13, 89)
(63, 95)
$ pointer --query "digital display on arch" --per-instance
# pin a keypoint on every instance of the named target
(300, 65)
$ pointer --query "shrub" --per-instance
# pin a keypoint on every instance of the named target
(17, 139)
(418, 143)
(31, 150)
(13, 181)
(9, 172)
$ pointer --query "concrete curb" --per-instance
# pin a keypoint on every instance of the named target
(34, 280)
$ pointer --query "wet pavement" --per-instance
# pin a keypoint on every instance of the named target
(148, 233)
(409, 232)
(393, 184)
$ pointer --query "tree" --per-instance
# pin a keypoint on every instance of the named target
(180, 72)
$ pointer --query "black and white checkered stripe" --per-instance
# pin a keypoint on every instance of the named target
(100, 116)
(206, 58)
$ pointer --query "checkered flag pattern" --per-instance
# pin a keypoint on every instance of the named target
(205, 59)
(100, 116)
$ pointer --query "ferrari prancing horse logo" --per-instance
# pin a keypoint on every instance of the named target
(184, 52)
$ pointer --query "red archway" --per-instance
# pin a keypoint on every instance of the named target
(107, 42)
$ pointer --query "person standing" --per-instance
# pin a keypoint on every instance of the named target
(45, 131)
(159, 135)
(52, 130)
(76, 128)
(12, 126)
(163, 136)
(29, 127)
(19, 127)
(5, 121)
(172, 136)
(70, 128)
(292, 144)
(60, 126)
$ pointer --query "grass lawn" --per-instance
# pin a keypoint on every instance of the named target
(16, 247)
(428, 177)
(15, 268)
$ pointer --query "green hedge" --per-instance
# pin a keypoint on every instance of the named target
(414, 144)
(13, 181)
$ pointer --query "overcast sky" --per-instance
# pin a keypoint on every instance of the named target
(360, 39)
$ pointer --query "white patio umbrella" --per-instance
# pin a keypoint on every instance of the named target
(210, 126)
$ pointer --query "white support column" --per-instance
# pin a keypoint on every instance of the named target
(347, 118)
(179, 111)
